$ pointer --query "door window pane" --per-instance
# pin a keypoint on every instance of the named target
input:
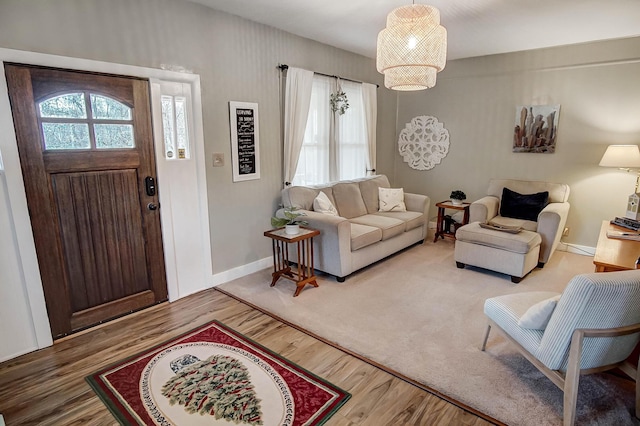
(103, 108)
(175, 126)
(66, 135)
(182, 135)
(168, 126)
(114, 136)
(70, 105)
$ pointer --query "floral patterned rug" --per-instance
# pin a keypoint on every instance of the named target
(214, 375)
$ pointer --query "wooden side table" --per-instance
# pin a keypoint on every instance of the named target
(440, 226)
(614, 254)
(304, 274)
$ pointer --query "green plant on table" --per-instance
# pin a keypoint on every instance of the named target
(291, 217)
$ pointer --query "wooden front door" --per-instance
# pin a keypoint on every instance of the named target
(86, 151)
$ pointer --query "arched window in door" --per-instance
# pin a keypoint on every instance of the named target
(85, 121)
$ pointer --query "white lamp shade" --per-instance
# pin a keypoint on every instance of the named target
(622, 156)
(412, 49)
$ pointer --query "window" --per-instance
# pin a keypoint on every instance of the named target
(175, 120)
(335, 146)
(85, 120)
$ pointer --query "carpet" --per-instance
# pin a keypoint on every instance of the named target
(418, 316)
(214, 375)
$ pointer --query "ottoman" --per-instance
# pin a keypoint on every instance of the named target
(504, 252)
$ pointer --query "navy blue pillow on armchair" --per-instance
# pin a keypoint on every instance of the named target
(523, 206)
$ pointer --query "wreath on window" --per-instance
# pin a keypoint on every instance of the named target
(339, 102)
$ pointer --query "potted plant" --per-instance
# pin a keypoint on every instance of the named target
(457, 196)
(291, 220)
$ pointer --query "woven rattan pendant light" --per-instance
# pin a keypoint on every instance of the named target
(412, 49)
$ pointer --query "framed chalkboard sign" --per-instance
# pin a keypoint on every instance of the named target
(245, 143)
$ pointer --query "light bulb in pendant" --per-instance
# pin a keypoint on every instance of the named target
(413, 42)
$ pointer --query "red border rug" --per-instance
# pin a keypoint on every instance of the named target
(214, 375)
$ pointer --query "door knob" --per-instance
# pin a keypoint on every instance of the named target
(152, 206)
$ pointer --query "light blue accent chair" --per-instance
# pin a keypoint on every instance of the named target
(594, 327)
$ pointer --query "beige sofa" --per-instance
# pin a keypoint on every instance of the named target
(360, 235)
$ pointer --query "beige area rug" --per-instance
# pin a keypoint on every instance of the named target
(415, 313)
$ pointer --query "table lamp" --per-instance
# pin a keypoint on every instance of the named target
(625, 157)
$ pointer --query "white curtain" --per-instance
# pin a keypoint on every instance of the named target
(370, 107)
(351, 135)
(296, 110)
(316, 155)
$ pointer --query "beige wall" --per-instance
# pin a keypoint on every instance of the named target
(236, 60)
(598, 88)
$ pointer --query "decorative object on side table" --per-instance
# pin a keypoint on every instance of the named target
(457, 197)
(291, 220)
(627, 158)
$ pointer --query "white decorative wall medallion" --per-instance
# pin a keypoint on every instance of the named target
(423, 142)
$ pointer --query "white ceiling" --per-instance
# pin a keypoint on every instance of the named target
(475, 27)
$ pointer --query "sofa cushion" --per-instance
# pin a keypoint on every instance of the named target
(411, 219)
(391, 200)
(322, 204)
(363, 235)
(522, 242)
(522, 206)
(369, 190)
(348, 199)
(558, 192)
(390, 226)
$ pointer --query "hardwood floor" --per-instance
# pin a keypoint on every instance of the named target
(47, 387)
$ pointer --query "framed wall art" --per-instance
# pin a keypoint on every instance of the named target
(536, 128)
(245, 141)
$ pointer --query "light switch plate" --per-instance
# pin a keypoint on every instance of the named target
(218, 159)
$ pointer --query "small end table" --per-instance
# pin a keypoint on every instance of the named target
(440, 228)
(304, 274)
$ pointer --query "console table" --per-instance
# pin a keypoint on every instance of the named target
(302, 275)
(613, 254)
(440, 225)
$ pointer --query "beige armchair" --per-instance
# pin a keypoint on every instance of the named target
(549, 224)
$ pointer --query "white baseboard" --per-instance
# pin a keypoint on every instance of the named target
(241, 271)
(577, 249)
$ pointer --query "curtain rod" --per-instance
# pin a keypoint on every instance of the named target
(283, 67)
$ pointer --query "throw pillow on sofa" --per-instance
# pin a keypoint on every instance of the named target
(322, 204)
(391, 200)
(523, 206)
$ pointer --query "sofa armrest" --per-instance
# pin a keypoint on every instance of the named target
(332, 248)
(417, 203)
(484, 209)
(551, 221)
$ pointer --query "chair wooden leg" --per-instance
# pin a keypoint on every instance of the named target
(638, 389)
(486, 337)
(572, 379)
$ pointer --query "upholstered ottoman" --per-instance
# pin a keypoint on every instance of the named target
(504, 252)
